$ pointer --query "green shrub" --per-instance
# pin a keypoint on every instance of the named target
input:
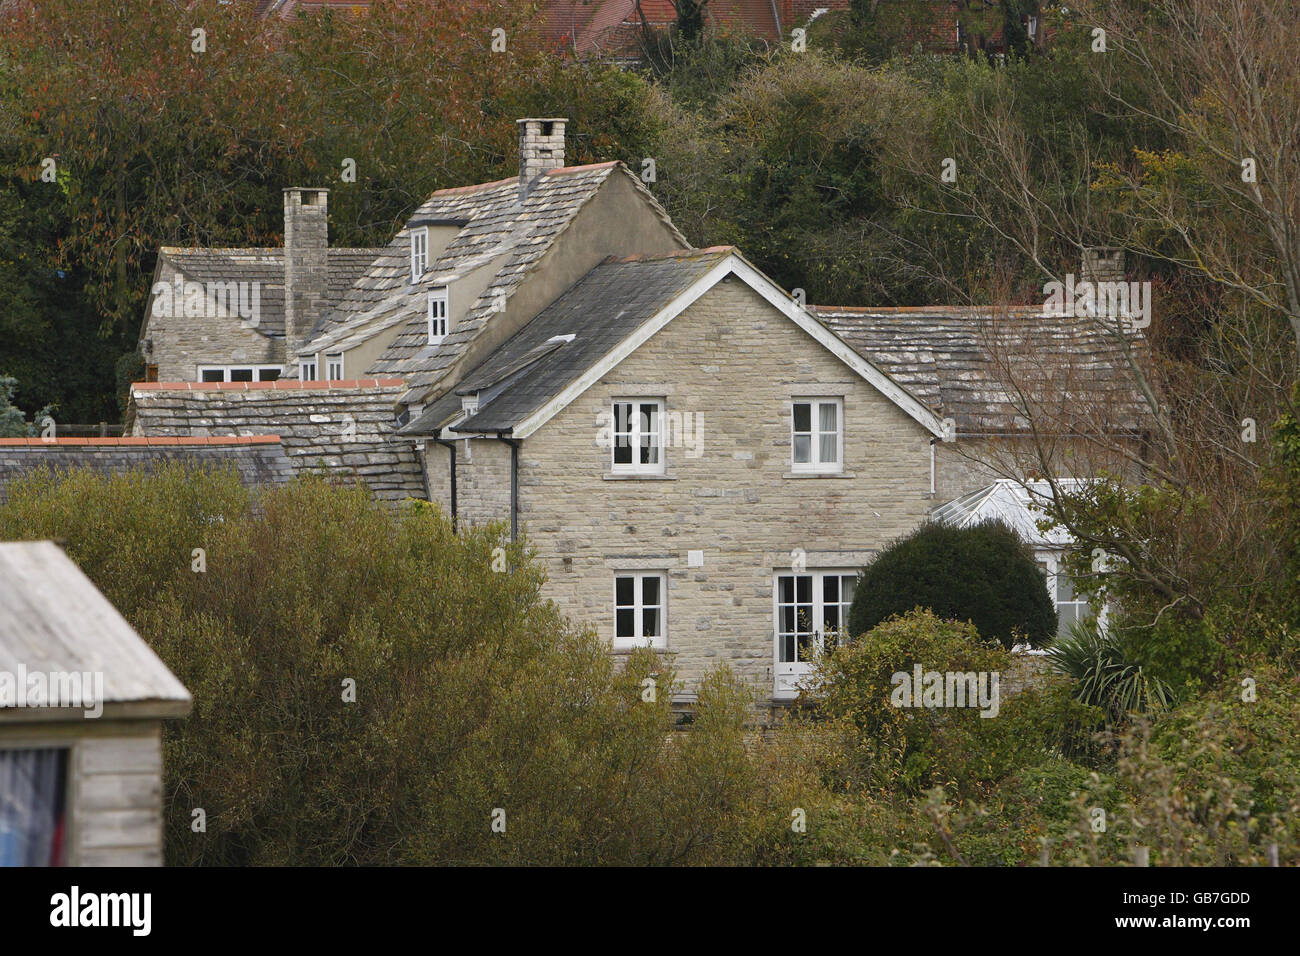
(984, 574)
(1104, 676)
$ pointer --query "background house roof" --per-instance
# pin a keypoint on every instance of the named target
(540, 360)
(266, 267)
(56, 620)
(500, 229)
(343, 429)
(258, 460)
(967, 363)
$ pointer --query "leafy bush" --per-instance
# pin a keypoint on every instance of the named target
(984, 574)
(471, 694)
(1104, 676)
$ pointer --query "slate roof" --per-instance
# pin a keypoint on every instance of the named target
(980, 367)
(57, 621)
(499, 228)
(342, 428)
(266, 267)
(258, 460)
(567, 338)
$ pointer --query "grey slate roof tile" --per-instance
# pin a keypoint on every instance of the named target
(266, 267)
(498, 226)
(966, 363)
(602, 309)
(259, 463)
(343, 428)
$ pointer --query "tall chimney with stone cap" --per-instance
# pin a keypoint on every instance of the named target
(306, 263)
(541, 147)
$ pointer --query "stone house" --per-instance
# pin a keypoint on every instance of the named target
(703, 463)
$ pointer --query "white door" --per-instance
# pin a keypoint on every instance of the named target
(810, 606)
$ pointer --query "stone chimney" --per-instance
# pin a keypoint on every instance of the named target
(541, 147)
(1102, 264)
(306, 263)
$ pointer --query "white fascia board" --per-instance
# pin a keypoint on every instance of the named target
(839, 348)
(733, 264)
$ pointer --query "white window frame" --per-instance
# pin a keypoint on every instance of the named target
(788, 674)
(815, 464)
(226, 370)
(638, 607)
(305, 364)
(439, 324)
(635, 434)
(333, 361)
(419, 253)
(1052, 564)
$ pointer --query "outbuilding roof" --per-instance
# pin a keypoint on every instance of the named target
(57, 622)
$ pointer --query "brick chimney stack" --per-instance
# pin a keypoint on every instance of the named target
(541, 147)
(306, 263)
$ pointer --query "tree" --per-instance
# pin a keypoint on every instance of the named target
(984, 574)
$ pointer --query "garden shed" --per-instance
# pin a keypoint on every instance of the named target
(82, 701)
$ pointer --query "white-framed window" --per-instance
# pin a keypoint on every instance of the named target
(1070, 605)
(239, 373)
(817, 434)
(640, 606)
(419, 252)
(810, 607)
(334, 366)
(438, 300)
(307, 369)
(638, 436)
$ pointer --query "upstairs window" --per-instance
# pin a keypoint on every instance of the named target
(639, 436)
(307, 370)
(419, 253)
(334, 366)
(817, 435)
(437, 314)
(639, 610)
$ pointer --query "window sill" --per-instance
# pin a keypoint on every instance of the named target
(627, 651)
(819, 474)
(634, 476)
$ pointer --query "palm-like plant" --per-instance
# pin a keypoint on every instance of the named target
(1104, 676)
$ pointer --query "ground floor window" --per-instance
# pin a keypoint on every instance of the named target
(639, 604)
(33, 806)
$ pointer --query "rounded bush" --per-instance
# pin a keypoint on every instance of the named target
(985, 574)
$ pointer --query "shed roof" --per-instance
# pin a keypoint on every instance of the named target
(57, 621)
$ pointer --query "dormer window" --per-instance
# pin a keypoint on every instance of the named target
(437, 314)
(419, 252)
